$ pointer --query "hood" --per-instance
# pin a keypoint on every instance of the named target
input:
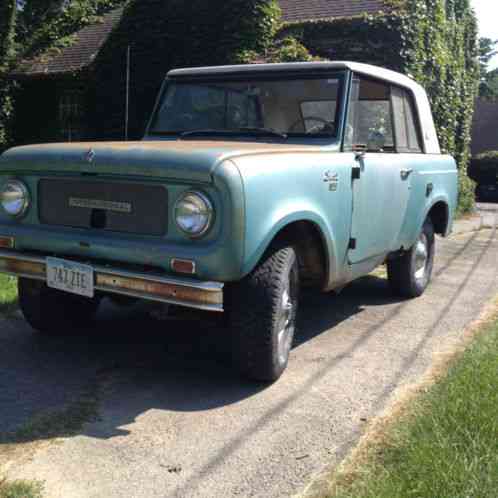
(178, 159)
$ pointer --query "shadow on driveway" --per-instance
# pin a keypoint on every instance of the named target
(188, 358)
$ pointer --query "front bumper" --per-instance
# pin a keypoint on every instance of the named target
(109, 279)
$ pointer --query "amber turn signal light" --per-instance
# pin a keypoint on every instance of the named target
(6, 242)
(183, 266)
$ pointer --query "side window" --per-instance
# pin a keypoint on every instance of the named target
(407, 134)
(370, 124)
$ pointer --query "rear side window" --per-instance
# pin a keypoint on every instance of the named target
(405, 122)
(381, 118)
(370, 117)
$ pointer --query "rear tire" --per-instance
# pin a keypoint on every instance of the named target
(53, 312)
(262, 313)
(410, 274)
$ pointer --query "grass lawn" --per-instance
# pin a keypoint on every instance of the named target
(20, 489)
(8, 295)
(446, 446)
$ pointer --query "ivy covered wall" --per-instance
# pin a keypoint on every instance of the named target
(164, 34)
(434, 41)
(440, 47)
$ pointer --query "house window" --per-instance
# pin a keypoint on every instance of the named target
(71, 116)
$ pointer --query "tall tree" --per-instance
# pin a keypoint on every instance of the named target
(8, 17)
(35, 13)
(488, 87)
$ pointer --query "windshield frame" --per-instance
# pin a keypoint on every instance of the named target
(247, 76)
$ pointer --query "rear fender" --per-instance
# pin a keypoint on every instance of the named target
(425, 213)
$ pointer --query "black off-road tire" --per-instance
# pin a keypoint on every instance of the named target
(258, 308)
(53, 312)
(405, 274)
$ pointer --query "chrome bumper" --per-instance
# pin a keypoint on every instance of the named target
(180, 291)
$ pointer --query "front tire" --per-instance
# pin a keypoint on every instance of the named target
(53, 312)
(410, 274)
(262, 313)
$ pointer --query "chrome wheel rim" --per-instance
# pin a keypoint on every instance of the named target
(421, 257)
(286, 326)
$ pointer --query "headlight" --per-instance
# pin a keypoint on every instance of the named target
(194, 213)
(14, 198)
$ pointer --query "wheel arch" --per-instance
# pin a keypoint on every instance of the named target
(439, 214)
(307, 233)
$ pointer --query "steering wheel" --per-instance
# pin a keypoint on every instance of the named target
(327, 125)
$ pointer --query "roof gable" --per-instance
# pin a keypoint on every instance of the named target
(80, 54)
(304, 10)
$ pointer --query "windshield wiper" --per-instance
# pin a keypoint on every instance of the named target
(263, 131)
(204, 131)
(235, 131)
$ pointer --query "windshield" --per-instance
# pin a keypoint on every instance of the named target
(291, 107)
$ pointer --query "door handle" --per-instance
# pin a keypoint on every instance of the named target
(405, 173)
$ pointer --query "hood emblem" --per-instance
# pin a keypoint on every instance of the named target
(90, 156)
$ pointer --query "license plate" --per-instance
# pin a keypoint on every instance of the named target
(70, 277)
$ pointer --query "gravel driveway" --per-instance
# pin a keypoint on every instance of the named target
(176, 422)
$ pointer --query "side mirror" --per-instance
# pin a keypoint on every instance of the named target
(376, 141)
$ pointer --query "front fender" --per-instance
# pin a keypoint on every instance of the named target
(281, 189)
(284, 221)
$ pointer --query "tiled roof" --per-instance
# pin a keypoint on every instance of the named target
(78, 55)
(304, 10)
(90, 40)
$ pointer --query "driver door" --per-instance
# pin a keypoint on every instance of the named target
(381, 190)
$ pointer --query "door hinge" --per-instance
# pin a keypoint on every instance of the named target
(356, 172)
(352, 244)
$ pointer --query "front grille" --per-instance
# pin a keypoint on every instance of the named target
(110, 206)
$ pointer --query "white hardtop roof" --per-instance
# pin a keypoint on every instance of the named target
(431, 142)
(357, 67)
